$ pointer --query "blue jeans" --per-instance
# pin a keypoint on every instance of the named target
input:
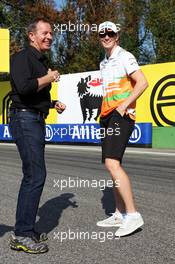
(28, 132)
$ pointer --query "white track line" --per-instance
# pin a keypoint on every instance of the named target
(143, 151)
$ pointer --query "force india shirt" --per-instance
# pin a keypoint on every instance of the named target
(116, 82)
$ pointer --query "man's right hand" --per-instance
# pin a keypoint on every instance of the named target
(53, 76)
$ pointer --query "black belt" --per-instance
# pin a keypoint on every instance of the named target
(16, 110)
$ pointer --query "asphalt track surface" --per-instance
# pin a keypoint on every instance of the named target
(65, 214)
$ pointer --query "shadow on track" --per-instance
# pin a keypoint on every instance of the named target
(5, 229)
(51, 212)
(108, 202)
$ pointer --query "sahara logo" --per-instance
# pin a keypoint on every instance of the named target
(162, 101)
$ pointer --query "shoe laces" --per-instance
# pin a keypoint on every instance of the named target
(125, 222)
(113, 215)
(27, 241)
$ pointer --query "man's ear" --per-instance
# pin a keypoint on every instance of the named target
(31, 36)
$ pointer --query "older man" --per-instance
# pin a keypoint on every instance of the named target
(31, 83)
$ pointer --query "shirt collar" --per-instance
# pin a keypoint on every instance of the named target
(114, 54)
(37, 53)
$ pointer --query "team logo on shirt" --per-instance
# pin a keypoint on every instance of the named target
(162, 98)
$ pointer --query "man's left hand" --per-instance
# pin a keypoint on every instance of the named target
(60, 107)
(121, 110)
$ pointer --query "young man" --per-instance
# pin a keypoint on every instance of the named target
(123, 83)
(31, 83)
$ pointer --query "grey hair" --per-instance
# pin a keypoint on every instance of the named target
(32, 26)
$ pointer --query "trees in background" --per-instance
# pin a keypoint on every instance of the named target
(17, 15)
(80, 50)
(160, 22)
(148, 29)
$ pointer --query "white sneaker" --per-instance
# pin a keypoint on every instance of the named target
(114, 220)
(129, 225)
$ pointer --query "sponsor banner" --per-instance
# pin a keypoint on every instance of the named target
(53, 117)
(4, 50)
(82, 94)
(5, 102)
(90, 133)
(157, 104)
(73, 133)
(142, 134)
(5, 133)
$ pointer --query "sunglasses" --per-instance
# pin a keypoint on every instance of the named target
(110, 34)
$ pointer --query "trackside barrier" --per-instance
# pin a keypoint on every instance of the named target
(86, 133)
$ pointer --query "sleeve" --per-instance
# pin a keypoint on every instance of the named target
(130, 63)
(20, 72)
(52, 103)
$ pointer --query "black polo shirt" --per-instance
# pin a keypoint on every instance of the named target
(25, 67)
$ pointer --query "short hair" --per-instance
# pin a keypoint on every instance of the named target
(32, 26)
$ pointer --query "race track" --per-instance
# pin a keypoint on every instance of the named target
(75, 197)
